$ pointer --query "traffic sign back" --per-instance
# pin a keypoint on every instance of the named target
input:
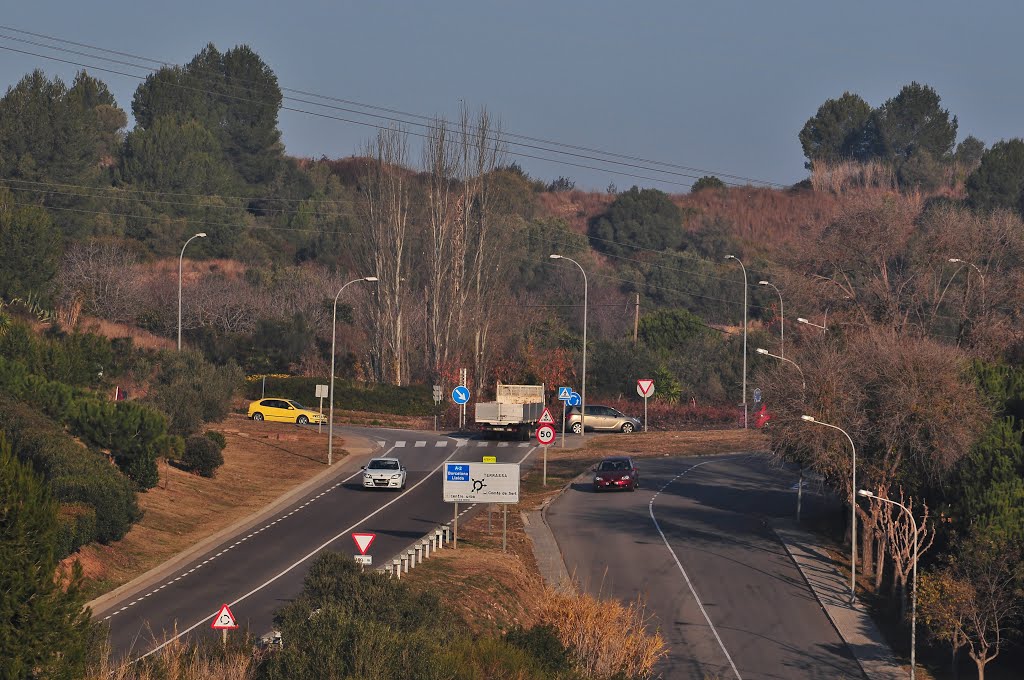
(363, 542)
(224, 620)
(545, 417)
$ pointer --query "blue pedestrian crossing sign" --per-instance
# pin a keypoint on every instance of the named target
(565, 393)
(574, 399)
(460, 395)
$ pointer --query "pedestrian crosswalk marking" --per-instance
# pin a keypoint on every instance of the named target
(420, 445)
(440, 444)
(400, 445)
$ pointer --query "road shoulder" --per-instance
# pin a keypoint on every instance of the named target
(831, 588)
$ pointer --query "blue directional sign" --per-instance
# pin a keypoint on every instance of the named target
(456, 472)
(757, 395)
(574, 399)
(565, 393)
(460, 395)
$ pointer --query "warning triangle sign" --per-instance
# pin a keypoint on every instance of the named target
(224, 620)
(363, 542)
(545, 418)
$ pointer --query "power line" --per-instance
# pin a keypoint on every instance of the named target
(631, 162)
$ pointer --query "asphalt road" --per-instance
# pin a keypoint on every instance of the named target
(262, 568)
(695, 543)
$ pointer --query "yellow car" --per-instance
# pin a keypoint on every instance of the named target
(284, 411)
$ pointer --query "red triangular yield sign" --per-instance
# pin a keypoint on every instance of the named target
(645, 386)
(224, 620)
(363, 542)
(545, 418)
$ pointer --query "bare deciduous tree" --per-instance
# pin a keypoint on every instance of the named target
(100, 275)
(386, 204)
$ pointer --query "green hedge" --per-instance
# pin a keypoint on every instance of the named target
(412, 400)
(75, 474)
(76, 526)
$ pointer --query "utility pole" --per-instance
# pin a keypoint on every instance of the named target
(636, 320)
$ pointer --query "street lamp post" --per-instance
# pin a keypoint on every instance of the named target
(334, 336)
(762, 350)
(181, 259)
(802, 320)
(583, 393)
(913, 592)
(853, 507)
(733, 257)
(971, 264)
(782, 318)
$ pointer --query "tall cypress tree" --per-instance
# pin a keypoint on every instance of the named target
(44, 630)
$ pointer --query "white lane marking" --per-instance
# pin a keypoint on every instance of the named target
(302, 559)
(461, 442)
(381, 443)
(502, 444)
(440, 443)
(399, 445)
(521, 460)
(420, 444)
(650, 507)
(523, 445)
(481, 444)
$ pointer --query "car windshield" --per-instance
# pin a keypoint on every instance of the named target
(297, 405)
(613, 465)
(383, 465)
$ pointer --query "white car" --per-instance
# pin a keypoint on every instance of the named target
(384, 473)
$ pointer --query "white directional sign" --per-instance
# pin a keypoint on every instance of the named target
(481, 482)
(365, 560)
(545, 417)
(645, 387)
(224, 620)
(321, 391)
(545, 434)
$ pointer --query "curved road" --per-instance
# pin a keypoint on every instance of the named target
(695, 543)
(262, 568)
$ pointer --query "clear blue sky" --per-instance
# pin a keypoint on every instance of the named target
(722, 86)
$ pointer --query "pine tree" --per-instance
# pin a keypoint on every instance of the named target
(45, 632)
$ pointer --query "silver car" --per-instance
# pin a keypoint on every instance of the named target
(384, 473)
(603, 418)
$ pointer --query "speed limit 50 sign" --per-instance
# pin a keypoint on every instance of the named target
(545, 434)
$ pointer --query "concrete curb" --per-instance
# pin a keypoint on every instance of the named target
(853, 624)
(358, 448)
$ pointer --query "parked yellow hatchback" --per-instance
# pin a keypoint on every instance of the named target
(283, 411)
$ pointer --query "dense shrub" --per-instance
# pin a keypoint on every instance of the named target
(542, 643)
(411, 400)
(76, 526)
(191, 390)
(77, 359)
(131, 432)
(217, 438)
(74, 473)
(202, 456)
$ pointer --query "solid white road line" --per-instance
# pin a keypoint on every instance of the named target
(650, 507)
(302, 559)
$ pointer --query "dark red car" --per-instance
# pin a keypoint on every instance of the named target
(616, 473)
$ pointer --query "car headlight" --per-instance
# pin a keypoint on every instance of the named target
(598, 479)
(396, 476)
(625, 478)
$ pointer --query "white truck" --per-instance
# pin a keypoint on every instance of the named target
(515, 410)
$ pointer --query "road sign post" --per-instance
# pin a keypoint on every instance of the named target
(546, 435)
(564, 395)
(460, 395)
(363, 542)
(224, 621)
(321, 392)
(645, 388)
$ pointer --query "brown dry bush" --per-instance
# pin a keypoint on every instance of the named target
(605, 638)
(179, 661)
(848, 176)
